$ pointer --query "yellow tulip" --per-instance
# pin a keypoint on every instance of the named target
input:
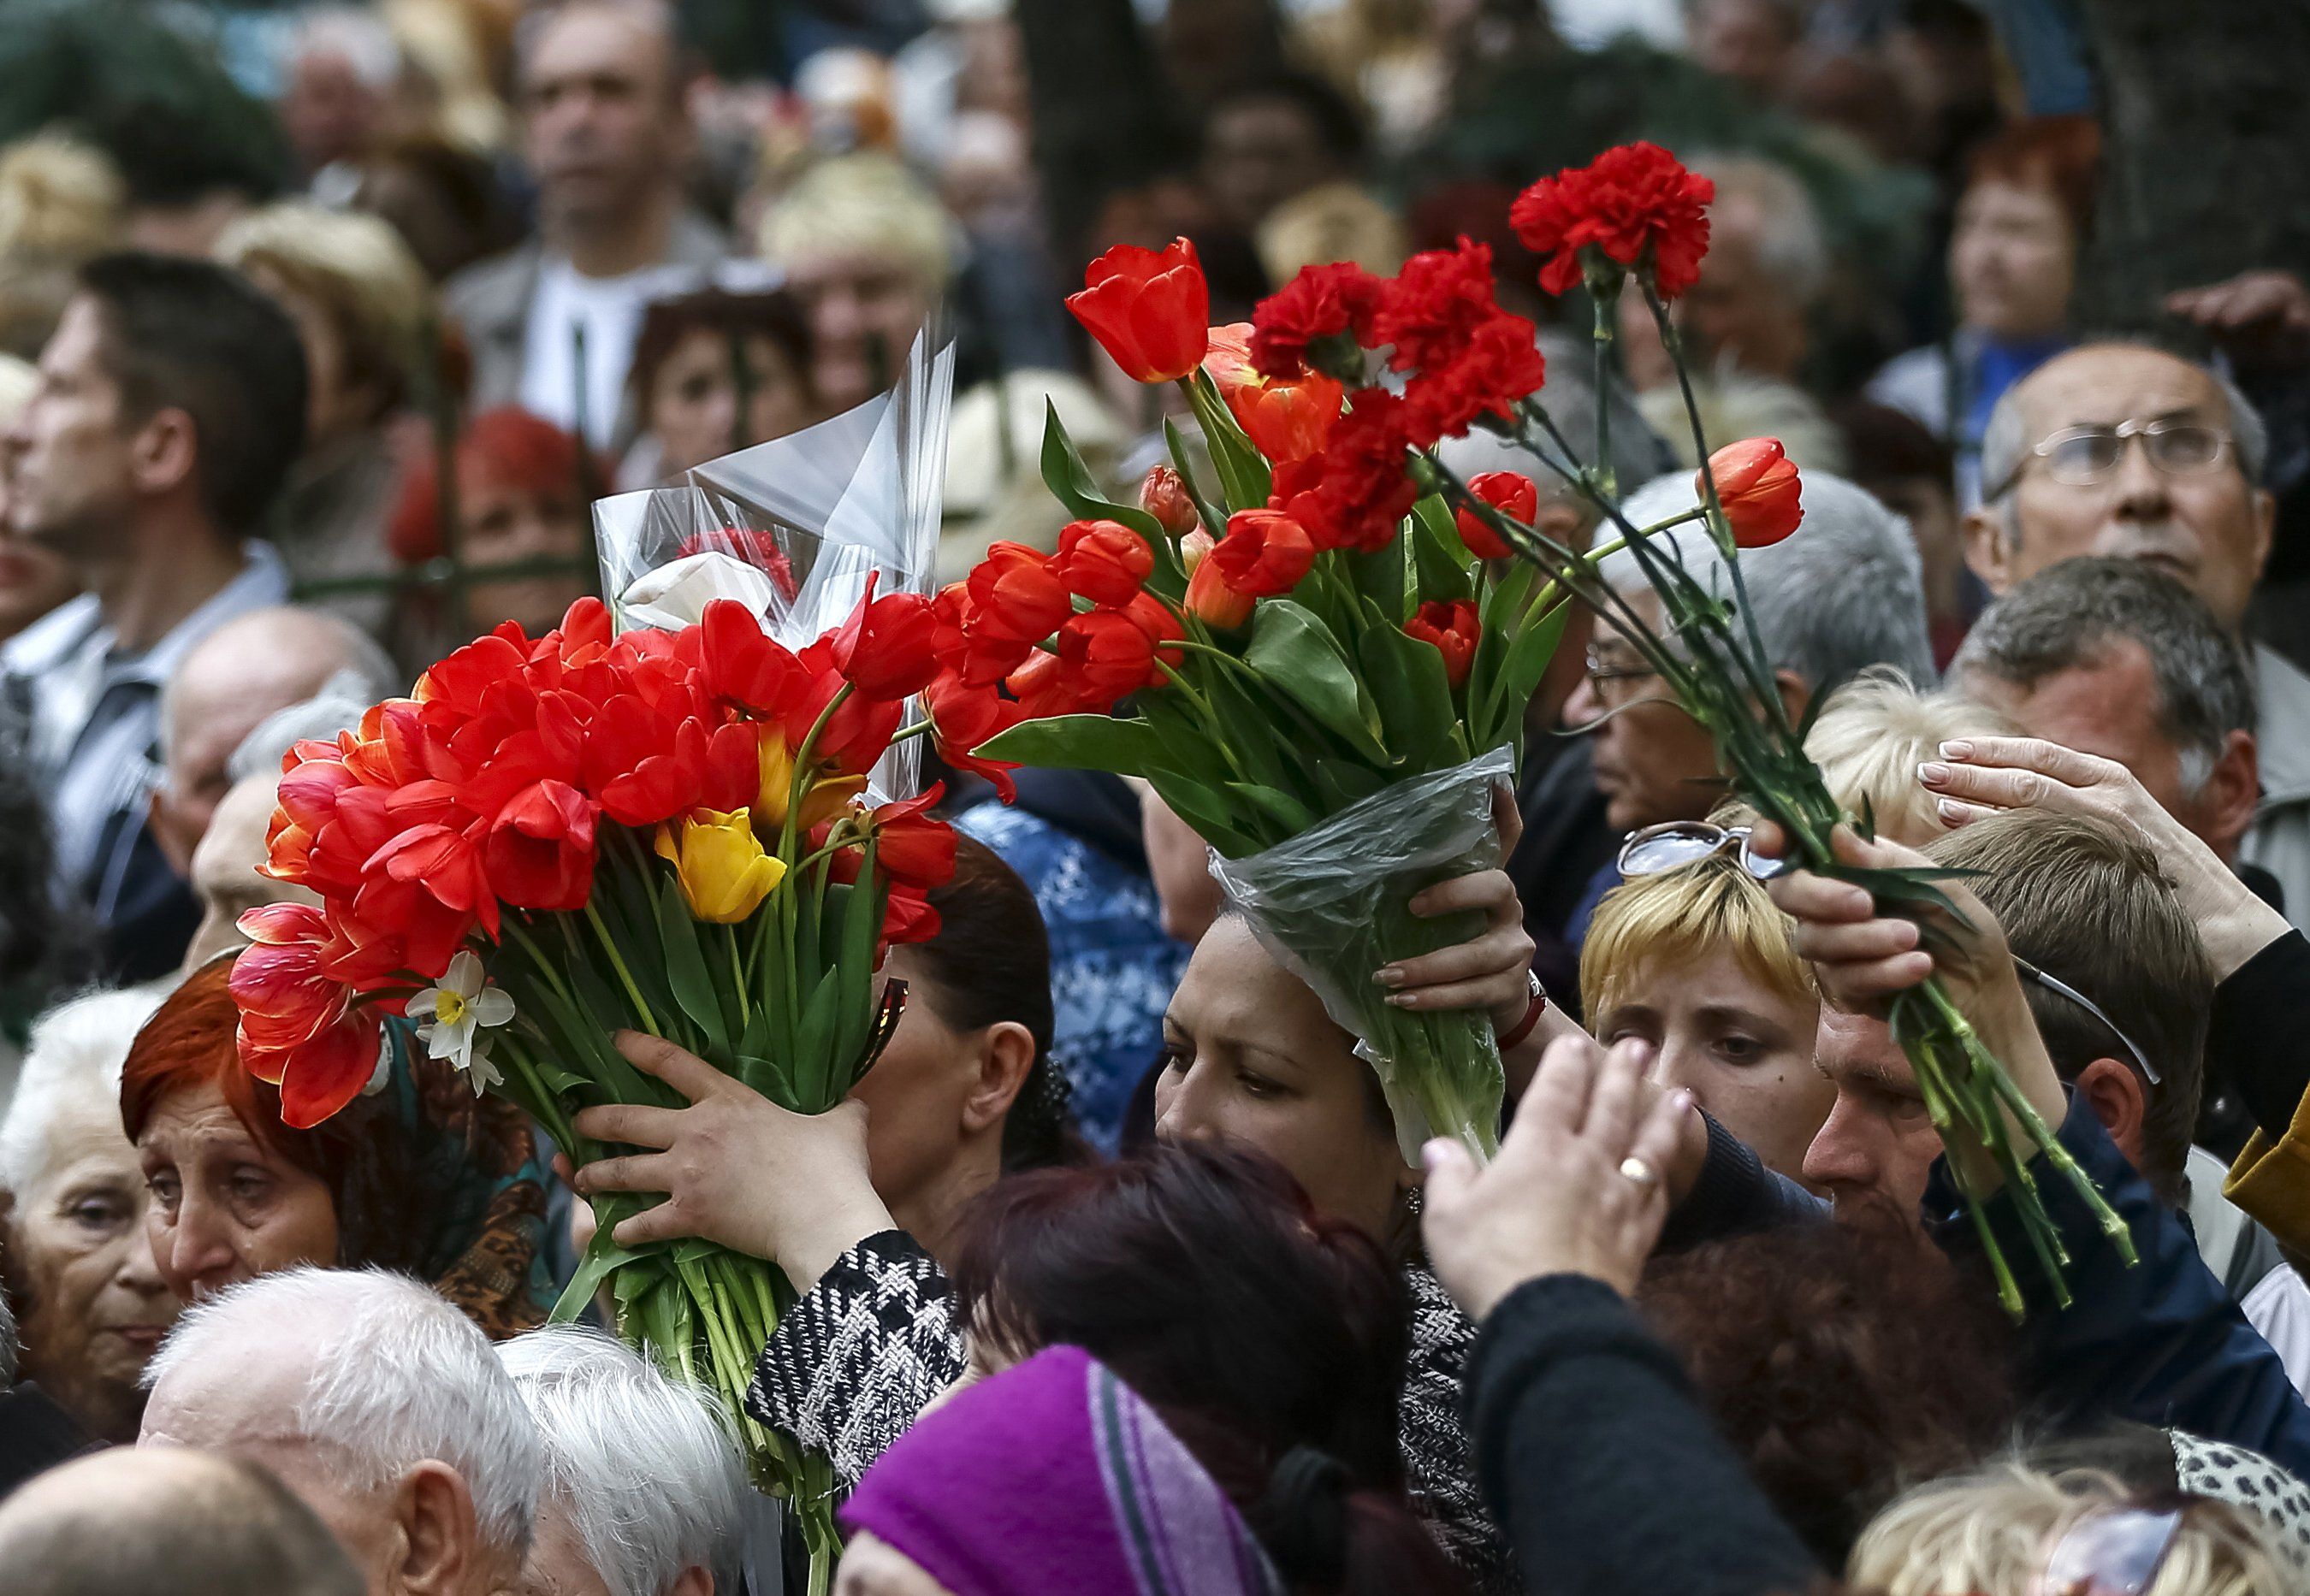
(777, 788)
(719, 863)
(827, 797)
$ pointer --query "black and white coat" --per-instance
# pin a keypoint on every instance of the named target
(856, 1361)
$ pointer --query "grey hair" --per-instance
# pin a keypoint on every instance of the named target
(1791, 246)
(7, 1344)
(72, 1069)
(2068, 614)
(1638, 453)
(1844, 592)
(2005, 441)
(645, 1468)
(395, 1375)
(340, 704)
(367, 45)
(343, 655)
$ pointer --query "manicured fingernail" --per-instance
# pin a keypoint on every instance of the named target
(1390, 974)
(1403, 1000)
(1951, 811)
(1933, 775)
(1957, 750)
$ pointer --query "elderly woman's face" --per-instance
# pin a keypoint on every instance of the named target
(225, 1206)
(1250, 1055)
(94, 1306)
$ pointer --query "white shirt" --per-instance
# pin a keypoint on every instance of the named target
(610, 309)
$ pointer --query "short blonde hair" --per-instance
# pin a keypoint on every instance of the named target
(1875, 731)
(360, 274)
(1683, 914)
(1991, 1532)
(862, 204)
(61, 202)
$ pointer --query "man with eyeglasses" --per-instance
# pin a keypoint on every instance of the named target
(2123, 450)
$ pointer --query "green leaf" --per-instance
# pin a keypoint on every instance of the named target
(1286, 811)
(1445, 568)
(1343, 783)
(603, 1255)
(1244, 475)
(1071, 481)
(1213, 515)
(1297, 654)
(1080, 743)
(1505, 698)
(1211, 816)
(685, 969)
(1407, 680)
(1384, 576)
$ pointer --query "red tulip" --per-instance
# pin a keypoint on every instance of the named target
(1019, 596)
(322, 1076)
(1451, 628)
(742, 665)
(1104, 562)
(1212, 601)
(539, 853)
(1039, 687)
(1510, 492)
(965, 716)
(884, 648)
(1164, 495)
(964, 650)
(1264, 552)
(1285, 421)
(1104, 656)
(1757, 483)
(910, 847)
(909, 917)
(1150, 312)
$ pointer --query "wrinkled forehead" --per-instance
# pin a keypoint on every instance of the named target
(2106, 385)
(1858, 1049)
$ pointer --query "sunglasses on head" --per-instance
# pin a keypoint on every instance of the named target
(1674, 843)
(2114, 1552)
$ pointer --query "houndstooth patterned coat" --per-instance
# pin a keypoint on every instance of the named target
(854, 1362)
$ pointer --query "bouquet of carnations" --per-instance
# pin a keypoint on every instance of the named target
(668, 830)
(1326, 678)
(1453, 360)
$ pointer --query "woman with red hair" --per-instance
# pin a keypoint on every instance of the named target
(521, 500)
(2013, 256)
(417, 1175)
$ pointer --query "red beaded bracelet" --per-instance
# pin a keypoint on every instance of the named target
(1524, 1028)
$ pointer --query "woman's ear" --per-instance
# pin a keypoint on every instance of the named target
(1006, 1053)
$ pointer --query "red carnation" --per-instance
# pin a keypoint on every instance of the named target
(1324, 307)
(1361, 488)
(1631, 201)
(1510, 492)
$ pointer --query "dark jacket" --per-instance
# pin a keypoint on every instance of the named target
(1600, 1464)
(2160, 1343)
(35, 1435)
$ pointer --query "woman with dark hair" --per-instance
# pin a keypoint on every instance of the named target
(417, 1175)
(1254, 1059)
(697, 354)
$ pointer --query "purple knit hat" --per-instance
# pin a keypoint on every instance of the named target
(1054, 1478)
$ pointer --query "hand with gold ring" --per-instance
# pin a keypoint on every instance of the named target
(1577, 1187)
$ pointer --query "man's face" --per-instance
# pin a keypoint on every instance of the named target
(224, 871)
(70, 456)
(2210, 530)
(858, 303)
(1257, 153)
(2012, 260)
(603, 129)
(1740, 312)
(1878, 1142)
(2109, 706)
(327, 111)
(1653, 762)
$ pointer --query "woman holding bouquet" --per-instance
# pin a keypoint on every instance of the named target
(1256, 1061)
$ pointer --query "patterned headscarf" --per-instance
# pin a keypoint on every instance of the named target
(1053, 1477)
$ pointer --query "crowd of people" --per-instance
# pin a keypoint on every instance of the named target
(324, 326)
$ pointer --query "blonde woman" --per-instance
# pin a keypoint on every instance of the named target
(1875, 731)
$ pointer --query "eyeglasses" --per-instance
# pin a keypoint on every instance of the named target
(2084, 457)
(1674, 843)
(2031, 972)
(2111, 1552)
(1602, 670)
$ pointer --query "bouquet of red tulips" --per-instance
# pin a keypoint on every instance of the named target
(557, 838)
(1317, 666)
(1634, 217)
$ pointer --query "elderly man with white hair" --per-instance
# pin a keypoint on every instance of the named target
(380, 1404)
(644, 1491)
(1839, 595)
(250, 667)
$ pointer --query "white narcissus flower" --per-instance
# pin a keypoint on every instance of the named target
(452, 1011)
